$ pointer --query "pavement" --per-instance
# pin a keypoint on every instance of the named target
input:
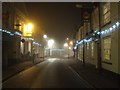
(16, 68)
(103, 79)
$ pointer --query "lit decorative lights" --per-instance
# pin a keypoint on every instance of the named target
(88, 40)
(117, 23)
(80, 42)
(17, 33)
(75, 47)
(10, 33)
(28, 39)
(103, 32)
(0, 30)
(110, 29)
(35, 43)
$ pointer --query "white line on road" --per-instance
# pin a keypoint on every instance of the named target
(82, 80)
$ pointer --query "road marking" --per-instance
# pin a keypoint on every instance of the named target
(83, 80)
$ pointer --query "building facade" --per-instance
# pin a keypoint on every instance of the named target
(17, 36)
(99, 42)
(11, 37)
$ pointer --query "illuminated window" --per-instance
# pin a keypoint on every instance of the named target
(81, 52)
(27, 30)
(107, 48)
(87, 46)
(92, 49)
(88, 50)
(106, 12)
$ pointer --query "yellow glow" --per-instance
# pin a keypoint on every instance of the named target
(25, 30)
(70, 48)
(28, 29)
(71, 43)
(66, 45)
(44, 36)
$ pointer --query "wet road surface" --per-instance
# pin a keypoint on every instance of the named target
(52, 73)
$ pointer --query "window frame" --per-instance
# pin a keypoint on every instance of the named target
(106, 13)
(105, 49)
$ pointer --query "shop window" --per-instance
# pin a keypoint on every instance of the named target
(87, 46)
(107, 48)
(81, 52)
(92, 49)
(88, 50)
(106, 12)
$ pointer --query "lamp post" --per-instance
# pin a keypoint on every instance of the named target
(45, 37)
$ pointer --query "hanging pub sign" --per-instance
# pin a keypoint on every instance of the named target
(86, 15)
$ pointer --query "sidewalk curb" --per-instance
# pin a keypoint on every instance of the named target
(5, 79)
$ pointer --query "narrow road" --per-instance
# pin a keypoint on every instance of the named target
(52, 73)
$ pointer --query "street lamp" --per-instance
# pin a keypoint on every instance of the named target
(45, 36)
(66, 45)
(50, 45)
(71, 42)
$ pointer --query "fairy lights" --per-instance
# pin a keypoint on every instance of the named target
(27, 38)
(35, 43)
(107, 31)
(11, 33)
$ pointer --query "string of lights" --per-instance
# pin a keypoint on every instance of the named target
(35, 43)
(104, 32)
(11, 33)
(19, 34)
(27, 38)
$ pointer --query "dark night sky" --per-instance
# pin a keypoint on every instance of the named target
(58, 20)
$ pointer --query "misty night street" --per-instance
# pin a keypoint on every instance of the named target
(60, 44)
(52, 73)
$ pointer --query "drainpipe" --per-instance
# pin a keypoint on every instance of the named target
(99, 42)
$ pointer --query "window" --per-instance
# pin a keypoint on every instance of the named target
(87, 46)
(88, 50)
(107, 48)
(95, 19)
(92, 49)
(106, 12)
(81, 51)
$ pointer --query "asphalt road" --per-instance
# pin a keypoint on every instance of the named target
(52, 73)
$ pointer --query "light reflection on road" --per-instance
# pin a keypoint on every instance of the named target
(52, 59)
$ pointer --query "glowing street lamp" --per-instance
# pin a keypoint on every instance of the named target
(69, 48)
(50, 45)
(67, 39)
(71, 42)
(66, 45)
(45, 36)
